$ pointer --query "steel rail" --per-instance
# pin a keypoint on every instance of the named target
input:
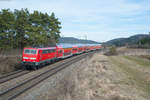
(5, 79)
(22, 87)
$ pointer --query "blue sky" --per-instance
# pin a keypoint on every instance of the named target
(99, 20)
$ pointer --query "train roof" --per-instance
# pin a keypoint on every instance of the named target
(62, 45)
(66, 45)
(41, 48)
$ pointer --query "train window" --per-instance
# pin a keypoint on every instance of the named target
(74, 49)
(48, 51)
(53, 50)
(60, 51)
(29, 51)
(44, 51)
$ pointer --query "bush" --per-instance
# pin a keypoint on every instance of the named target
(111, 51)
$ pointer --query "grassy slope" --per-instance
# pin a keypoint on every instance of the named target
(136, 77)
(139, 60)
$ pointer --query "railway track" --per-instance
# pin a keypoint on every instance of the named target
(22, 87)
(12, 75)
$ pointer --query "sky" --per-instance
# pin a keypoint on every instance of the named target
(98, 20)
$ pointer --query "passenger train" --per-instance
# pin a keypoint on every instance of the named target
(34, 57)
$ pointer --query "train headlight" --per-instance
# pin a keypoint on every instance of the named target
(33, 58)
(25, 57)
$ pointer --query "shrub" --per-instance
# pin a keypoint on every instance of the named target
(111, 51)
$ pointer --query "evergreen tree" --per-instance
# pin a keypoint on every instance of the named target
(55, 27)
(22, 28)
(7, 33)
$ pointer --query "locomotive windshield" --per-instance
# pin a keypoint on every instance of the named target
(29, 51)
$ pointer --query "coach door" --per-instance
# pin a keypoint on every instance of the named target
(40, 55)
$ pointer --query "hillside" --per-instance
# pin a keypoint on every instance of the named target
(75, 40)
(130, 40)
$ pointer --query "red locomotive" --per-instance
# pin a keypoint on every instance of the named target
(36, 57)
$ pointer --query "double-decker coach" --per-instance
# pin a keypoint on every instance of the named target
(59, 52)
(80, 48)
(67, 50)
(74, 50)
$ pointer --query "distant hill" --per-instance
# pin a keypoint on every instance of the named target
(75, 40)
(130, 40)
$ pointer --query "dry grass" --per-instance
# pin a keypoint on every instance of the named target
(136, 74)
(132, 51)
(8, 64)
(95, 79)
(139, 60)
(9, 60)
(107, 78)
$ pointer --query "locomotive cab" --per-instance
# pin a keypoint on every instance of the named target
(30, 57)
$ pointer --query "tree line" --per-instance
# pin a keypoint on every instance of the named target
(145, 41)
(20, 28)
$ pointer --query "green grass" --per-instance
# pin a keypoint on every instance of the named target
(135, 78)
(139, 60)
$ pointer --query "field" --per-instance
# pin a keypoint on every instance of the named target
(118, 77)
(124, 76)
(137, 71)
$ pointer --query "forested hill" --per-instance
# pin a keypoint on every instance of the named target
(75, 40)
(130, 40)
